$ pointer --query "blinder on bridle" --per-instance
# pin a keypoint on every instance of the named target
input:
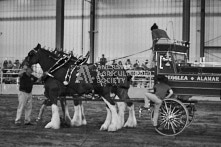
(34, 50)
(32, 53)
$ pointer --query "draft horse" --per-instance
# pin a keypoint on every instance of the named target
(91, 79)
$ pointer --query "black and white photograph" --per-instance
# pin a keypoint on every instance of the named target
(110, 73)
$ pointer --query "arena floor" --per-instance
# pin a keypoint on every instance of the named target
(205, 130)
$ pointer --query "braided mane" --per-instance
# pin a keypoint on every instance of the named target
(57, 54)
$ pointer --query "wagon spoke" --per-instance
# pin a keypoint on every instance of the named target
(176, 122)
(163, 110)
(173, 109)
(164, 121)
(166, 107)
(176, 111)
(168, 125)
(174, 131)
(181, 122)
(170, 108)
(177, 115)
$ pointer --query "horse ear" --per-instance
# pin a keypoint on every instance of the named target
(37, 47)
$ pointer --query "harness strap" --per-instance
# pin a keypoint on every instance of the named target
(61, 62)
(48, 74)
(69, 72)
(79, 62)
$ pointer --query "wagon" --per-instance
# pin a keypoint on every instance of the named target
(185, 79)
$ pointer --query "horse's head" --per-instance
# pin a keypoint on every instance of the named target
(32, 57)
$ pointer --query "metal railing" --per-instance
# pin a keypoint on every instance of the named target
(142, 79)
(9, 80)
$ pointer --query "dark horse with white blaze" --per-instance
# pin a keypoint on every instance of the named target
(85, 79)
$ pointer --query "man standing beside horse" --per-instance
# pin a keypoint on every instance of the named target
(26, 81)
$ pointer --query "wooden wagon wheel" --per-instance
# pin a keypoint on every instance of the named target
(173, 117)
(190, 105)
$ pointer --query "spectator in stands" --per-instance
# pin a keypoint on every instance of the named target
(128, 64)
(5, 63)
(16, 68)
(6, 79)
(10, 65)
(17, 64)
(145, 65)
(120, 63)
(25, 95)
(5, 67)
(114, 62)
(136, 66)
(103, 60)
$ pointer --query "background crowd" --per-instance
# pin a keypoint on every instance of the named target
(128, 65)
(10, 70)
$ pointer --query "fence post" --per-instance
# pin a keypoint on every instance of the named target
(1, 80)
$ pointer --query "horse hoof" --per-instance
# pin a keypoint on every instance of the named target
(84, 122)
(48, 126)
(112, 128)
(51, 126)
(75, 123)
(103, 128)
(130, 125)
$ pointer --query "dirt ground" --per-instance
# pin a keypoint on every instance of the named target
(204, 131)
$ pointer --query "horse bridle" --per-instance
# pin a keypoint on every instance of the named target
(31, 53)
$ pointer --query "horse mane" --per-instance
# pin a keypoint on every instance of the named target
(51, 53)
(56, 54)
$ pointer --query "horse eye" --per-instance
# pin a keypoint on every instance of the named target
(29, 54)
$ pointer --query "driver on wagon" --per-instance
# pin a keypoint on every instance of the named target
(161, 91)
